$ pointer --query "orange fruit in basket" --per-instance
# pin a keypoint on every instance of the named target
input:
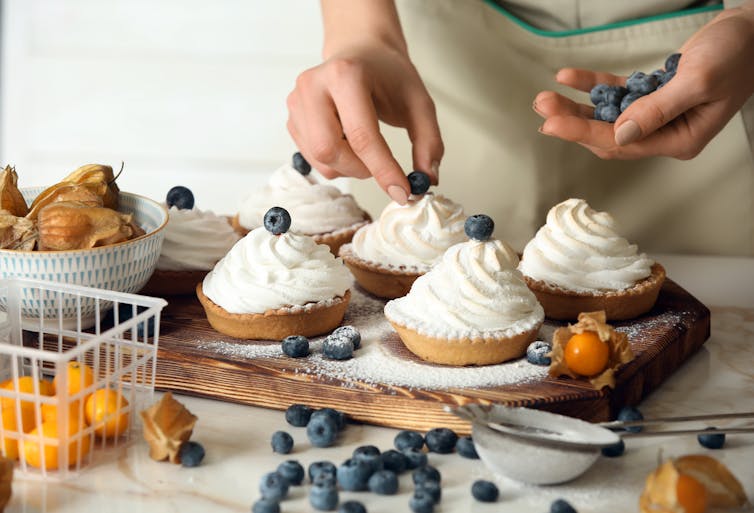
(691, 494)
(10, 445)
(586, 354)
(50, 411)
(24, 384)
(80, 376)
(32, 449)
(105, 412)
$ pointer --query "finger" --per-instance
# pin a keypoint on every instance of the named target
(650, 112)
(359, 119)
(323, 135)
(424, 132)
(549, 103)
(581, 130)
(585, 80)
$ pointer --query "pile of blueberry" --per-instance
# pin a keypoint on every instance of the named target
(609, 101)
(338, 345)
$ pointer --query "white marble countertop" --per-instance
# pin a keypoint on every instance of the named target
(719, 378)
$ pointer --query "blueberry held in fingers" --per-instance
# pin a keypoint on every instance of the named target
(300, 164)
(419, 182)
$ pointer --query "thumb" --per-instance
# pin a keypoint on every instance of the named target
(655, 110)
(426, 142)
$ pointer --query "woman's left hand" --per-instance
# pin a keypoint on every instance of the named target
(715, 77)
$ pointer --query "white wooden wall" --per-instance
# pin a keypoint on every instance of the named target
(188, 92)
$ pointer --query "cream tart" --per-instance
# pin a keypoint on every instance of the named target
(472, 308)
(274, 283)
(317, 209)
(577, 262)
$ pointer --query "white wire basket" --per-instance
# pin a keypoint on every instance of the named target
(71, 397)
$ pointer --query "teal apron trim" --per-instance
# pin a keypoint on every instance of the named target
(598, 28)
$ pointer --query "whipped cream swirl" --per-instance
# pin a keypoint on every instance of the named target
(266, 272)
(413, 235)
(578, 249)
(475, 291)
(195, 240)
(315, 208)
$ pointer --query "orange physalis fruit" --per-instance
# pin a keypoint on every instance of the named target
(52, 457)
(586, 354)
(105, 411)
(80, 376)
(691, 494)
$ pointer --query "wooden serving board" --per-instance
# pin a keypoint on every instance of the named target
(188, 362)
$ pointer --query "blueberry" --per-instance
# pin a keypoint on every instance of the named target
(281, 442)
(441, 440)
(615, 450)
(337, 347)
(479, 227)
(415, 458)
(349, 332)
(711, 440)
(298, 415)
(191, 454)
(671, 63)
(606, 112)
(300, 164)
(369, 454)
(406, 439)
(629, 99)
(266, 506)
(383, 482)
(614, 95)
(321, 431)
(325, 479)
(296, 346)
(353, 474)
(394, 460)
(629, 413)
(126, 311)
(426, 473)
(465, 447)
(292, 471)
(597, 94)
(419, 182)
(337, 416)
(180, 197)
(352, 507)
(421, 502)
(432, 488)
(537, 352)
(277, 220)
(561, 506)
(323, 498)
(665, 78)
(484, 491)
(640, 82)
(273, 486)
(321, 467)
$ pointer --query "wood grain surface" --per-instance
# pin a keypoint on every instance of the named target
(677, 327)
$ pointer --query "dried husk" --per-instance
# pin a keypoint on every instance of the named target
(620, 350)
(11, 198)
(17, 233)
(89, 193)
(68, 225)
(167, 425)
(94, 173)
(660, 493)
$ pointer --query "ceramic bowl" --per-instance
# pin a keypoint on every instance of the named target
(534, 446)
(122, 267)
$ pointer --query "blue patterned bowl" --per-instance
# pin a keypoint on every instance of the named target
(122, 267)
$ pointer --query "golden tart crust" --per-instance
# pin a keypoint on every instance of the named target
(561, 304)
(387, 283)
(309, 320)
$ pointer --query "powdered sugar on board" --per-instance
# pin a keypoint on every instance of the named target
(384, 360)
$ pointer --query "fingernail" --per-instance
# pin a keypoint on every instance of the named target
(398, 194)
(534, 107)
(541, 130)
(435, 168)
(627, 133)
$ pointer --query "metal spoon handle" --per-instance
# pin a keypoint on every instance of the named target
(708, 431)
(667, 420)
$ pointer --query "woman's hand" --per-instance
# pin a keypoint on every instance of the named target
(366, 76)
(714, 79)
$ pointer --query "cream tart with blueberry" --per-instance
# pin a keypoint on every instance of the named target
(274, 283)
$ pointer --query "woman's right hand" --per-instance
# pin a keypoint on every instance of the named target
(335, 107)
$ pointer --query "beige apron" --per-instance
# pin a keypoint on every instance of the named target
(483, 69)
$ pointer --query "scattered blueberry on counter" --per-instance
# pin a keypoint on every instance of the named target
(484, 491)
(421, 502)
(394, 460)
(337, 416)
(349, 332)
(282, 442)
(628, 414)
(295, 346)
(337, 347)
(321, 467)
(408, 439)
(353, 474)
(180, 197)
(321, 431)
(191, 454)
(277, 220)
(426, 473)
(711, 440)
(383, 482)
(432, 488)
(415, 458)
(441, 440)
(352, 507)
(266, 506)
(615, 450)
(537, 353)
(369, 454)
(300, 164)
(323, 497)
(273, 486)
(419, 182)
(292, 471)
(465, 447)
(298, 415)
(561, 506)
